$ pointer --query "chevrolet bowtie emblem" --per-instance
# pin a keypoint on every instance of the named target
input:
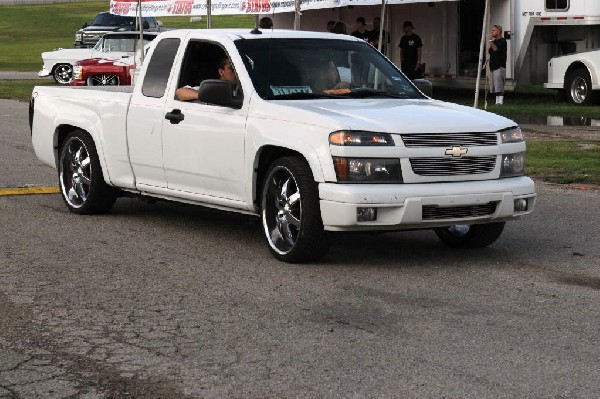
(457, 151)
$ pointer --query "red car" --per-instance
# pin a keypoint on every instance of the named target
(103, 72)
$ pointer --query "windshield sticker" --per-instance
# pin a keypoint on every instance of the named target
(287, 90)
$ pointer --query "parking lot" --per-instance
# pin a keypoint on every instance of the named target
(164, 300)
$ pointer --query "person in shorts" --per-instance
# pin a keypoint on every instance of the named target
(497, 52)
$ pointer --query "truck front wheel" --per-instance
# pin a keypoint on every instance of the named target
(579, 87)
(290, 212)
(470, 236)
(80, 176)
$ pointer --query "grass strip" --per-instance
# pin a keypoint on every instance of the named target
(564, 162)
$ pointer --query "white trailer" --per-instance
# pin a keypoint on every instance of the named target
(537, 30)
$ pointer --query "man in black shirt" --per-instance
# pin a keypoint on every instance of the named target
(410, 52)
(361, 31)
(497, 64)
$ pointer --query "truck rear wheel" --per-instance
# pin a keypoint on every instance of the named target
(579, 87)
(80, 176)
(290, 212)
(470, 236)
(63, 73)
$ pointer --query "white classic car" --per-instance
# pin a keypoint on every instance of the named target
(59, 63)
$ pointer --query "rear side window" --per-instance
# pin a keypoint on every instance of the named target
(159, 68)
(557, 5)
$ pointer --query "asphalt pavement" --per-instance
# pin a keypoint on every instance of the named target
(165, 300)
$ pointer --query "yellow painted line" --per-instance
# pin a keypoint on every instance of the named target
(29, 190)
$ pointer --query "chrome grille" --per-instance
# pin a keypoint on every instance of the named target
(434, 212)
(449, 139)
(452, 166)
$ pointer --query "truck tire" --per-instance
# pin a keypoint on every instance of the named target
(290, 212)
(103, 80)
(470, 236)
(63, 73)
(579, 87)
(80, 176)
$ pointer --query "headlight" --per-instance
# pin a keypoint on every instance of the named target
(368, 170)
(360, 138)
(78, 37)
(77, 72)
(511, 135)
(513, 165)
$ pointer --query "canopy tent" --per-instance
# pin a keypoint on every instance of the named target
(161, 8)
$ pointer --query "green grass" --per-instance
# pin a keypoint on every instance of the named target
(28, 30)
(21, 89)
(526, 101)
(564, 162)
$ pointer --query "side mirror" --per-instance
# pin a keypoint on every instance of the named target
(85, 24)
(424, 85)
(218, 92)
(145, 25)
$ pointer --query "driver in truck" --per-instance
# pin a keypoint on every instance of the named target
(226, 72)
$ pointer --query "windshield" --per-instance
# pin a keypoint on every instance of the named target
(284, 69)
(123, 43)
(107, 19)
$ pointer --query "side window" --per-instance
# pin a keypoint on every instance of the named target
(159, 68)
(201, 62)
(557, 5)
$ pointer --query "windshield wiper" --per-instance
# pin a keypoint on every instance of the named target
(366, 92)
(302, 96)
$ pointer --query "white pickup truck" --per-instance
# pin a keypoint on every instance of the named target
(576, 76)
(321, 134)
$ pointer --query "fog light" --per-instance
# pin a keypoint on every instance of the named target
(366, 214)
(520, 205)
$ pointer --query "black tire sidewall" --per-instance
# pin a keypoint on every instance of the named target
(312, 242)
(101, 196)
(580, 73)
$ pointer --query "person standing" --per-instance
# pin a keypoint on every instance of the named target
(497, 51)
(410, 51)
(265, 23)
(375, 35)
(361, 31)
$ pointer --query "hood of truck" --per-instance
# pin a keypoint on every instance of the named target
(389, 115)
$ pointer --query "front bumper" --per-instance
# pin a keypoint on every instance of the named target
(74, 82)
(43, 72)
(422, 206)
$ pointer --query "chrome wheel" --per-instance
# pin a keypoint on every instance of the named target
(103, 80)
(291, 211)
(80, 176)
(75, 173)
(282, 210)
(63, 73)
(579, 90)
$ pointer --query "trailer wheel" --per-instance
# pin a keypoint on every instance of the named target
(579, 87)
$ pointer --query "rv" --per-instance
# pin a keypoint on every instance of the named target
(536, 30)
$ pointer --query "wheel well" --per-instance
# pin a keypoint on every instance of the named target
(59, 136)
(266, 156)
(574, 66)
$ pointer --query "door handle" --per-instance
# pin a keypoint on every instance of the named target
(175, 116)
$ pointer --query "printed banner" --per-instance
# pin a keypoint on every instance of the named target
(161, 8)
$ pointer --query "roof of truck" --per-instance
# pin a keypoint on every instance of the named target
(249, 33)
